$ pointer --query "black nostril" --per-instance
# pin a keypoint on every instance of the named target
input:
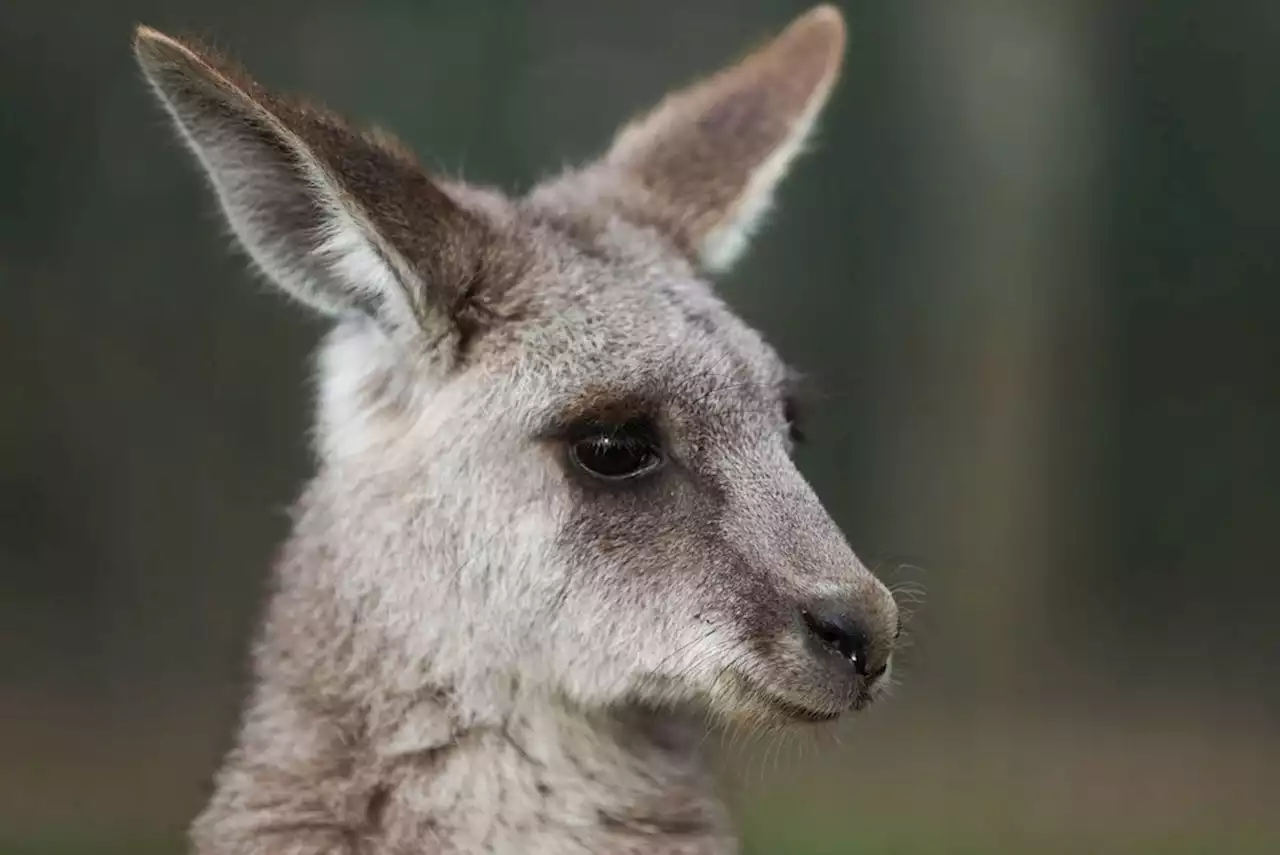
(839, 632)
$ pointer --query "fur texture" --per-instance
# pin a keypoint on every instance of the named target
(474, 644)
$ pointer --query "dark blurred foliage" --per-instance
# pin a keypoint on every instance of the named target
(1029, 264)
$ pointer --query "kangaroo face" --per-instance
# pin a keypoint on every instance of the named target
(699, 556)
(550, 456)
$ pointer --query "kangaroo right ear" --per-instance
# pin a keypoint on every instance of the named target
(344, 221)
(702, 165)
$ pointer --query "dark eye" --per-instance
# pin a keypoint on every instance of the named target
(617, 453)
(791, 412)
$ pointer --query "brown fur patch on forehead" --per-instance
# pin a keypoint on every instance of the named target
(602, 406)
(685, 397)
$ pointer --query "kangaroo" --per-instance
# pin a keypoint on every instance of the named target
(555, 531)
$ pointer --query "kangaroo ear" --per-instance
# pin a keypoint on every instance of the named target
(344, 221)
(703, 164)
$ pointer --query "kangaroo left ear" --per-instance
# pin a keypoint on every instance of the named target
(704, 163)
(344, 221)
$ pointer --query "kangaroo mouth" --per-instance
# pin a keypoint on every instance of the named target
(801, 713)
(796, 710)
(851, 699)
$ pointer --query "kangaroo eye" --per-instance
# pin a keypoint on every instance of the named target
(618, 453)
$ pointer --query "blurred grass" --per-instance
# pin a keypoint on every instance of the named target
(1066, 783)
(769, 833)
(769, 837)
(923, 839)
(1084, 785)
(790, 828)
(59, 845)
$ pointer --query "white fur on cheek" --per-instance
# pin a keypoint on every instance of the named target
(363, 391)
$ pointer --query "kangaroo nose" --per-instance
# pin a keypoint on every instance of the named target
(834, 628)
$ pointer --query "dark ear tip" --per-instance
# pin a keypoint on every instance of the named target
(156, 51)
(147, 42)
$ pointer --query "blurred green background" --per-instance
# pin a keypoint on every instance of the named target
(1030, 263)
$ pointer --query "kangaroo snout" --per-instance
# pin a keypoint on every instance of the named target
(835, 654)
(853, 636)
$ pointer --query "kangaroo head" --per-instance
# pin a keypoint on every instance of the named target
(551, 460)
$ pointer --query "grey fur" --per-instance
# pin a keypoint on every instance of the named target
(473, 646)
